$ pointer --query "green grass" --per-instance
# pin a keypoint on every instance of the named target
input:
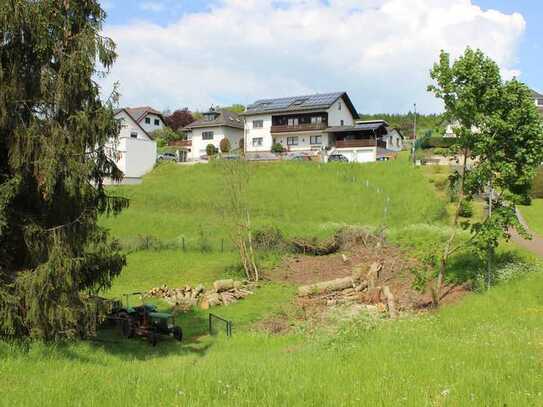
(485, 351)
(307, 199)
(148, 269)
(534, 215)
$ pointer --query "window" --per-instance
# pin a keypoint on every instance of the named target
(316, 120)
(207, 135)
(258, 124)
(157, 122)
(258, 141)
(540, 102)
(342, 123)
(292, 141)
(134, 134)
(147, 120)
(315, 139)
(339, 106)
(293, 121)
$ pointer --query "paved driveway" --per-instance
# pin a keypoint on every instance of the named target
(535, 245)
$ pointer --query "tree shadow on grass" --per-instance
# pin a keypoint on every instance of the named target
(195, 342)
(468, 267)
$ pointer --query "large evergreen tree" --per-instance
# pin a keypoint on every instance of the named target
(53, 159)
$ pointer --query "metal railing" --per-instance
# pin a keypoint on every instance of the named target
(298, 127)
(227, 323)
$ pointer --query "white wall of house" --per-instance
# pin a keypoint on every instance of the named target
(129, 128)
(134, 157)
(394, 140)
(155, 122)
(233, 135)
(258, 139)
(303, 141)
(134, 152)
(338, 112)
(358, 155)
(199, 145)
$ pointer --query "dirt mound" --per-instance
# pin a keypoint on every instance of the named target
(395, 274)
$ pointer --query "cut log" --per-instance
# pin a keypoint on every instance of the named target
(326, 286)
(391, 303)
(374, 295)
(223, 285)
(373, 274)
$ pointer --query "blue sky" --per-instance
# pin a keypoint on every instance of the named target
(194, 53)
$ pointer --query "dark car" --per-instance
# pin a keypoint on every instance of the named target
(338, 158)
(167, 157)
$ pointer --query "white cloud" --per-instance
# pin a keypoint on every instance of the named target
(380, 51)
(153, 6)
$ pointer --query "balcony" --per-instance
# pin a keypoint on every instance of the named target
(360, 143)
(299, 127)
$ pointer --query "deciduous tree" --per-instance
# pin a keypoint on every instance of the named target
(500, 139)
(179, 119)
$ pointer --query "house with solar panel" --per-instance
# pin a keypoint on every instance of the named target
(324, 124)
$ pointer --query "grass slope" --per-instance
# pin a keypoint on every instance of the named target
(485, 351)
(534, 215)
(308, 199)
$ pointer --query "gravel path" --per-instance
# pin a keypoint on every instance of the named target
(535, 245)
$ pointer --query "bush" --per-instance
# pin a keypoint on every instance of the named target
(466, 209)
(270, 238)
(436, 142)
(277, 148)
(164, 135)
(211, 150)
(224, 145)
(537, 187)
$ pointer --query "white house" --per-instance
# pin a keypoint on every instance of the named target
(211, 129)
(322, 123)
(135, 151)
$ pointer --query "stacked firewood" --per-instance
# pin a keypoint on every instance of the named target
(224, 292)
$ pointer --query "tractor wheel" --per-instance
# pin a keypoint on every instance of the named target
(177, 333)
(152, 337)
(127, 325)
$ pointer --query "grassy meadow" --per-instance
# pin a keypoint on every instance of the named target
(485, 350)
(302, 199)
(534, 215)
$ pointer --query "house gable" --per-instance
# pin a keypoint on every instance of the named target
(130, 128)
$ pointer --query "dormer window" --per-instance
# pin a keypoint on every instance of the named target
(157, 122)
(147, 120)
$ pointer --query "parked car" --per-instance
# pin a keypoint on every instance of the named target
(167, 157)
(338, 157)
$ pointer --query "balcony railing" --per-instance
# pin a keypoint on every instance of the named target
(355, 143)
(299, 127)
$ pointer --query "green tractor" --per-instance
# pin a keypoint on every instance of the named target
(144, 320)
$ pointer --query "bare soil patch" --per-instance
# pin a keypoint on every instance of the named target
(396, 274)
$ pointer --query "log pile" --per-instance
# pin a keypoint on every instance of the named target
(360, 288)
(224, 292)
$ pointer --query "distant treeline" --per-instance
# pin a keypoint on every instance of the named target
(426, 123)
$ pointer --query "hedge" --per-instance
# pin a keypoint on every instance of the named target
(437, 142)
